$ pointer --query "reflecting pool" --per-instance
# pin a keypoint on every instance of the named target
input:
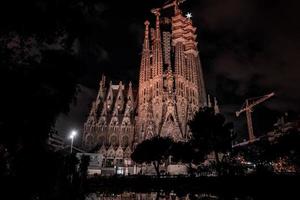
(161, 195)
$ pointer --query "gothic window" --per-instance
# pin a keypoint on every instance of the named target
(125, 141)
(101, 140)
(113, 140)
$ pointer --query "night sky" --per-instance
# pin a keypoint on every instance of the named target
(247, 47)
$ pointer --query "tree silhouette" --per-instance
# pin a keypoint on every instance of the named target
(155, 150)
(266, 150)
(185, 153)
(34, 93)
(210, 133)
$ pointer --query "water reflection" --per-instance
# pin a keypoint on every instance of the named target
(157, 196)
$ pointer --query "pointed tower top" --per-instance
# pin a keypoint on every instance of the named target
(104, 110)
(101, 92)
(208, 101)
(156, 12)
(102, 81)
(146, 39)
(147, 23)
(216, 106)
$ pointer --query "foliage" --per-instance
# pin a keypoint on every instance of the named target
(185, 153)
(38, 81)
(210, 133)
(154, 150)
(283, 147)
(182, 152)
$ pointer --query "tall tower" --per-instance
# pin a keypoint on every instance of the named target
(171, 86)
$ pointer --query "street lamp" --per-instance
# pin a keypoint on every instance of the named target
(72, 135)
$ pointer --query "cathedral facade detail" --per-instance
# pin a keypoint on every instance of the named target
(171, 89)
(111, 119)
(171, 86)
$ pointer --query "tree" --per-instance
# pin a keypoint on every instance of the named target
(280, 152)
(185, 153)
(155, 150)
(35, 91)
(210, 133)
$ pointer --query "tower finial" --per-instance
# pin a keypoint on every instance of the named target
(146, 42)
(208, 101)
(156, 12)
(216, 106)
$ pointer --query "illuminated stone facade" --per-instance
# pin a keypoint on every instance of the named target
(171, 89)
(171, 86)
(110, 124)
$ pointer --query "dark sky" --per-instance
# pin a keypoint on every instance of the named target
(247, 47)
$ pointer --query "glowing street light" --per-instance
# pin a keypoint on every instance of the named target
(72, 136)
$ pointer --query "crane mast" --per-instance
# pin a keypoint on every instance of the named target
(249, 105)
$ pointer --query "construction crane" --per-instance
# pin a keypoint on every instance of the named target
(248, 108)
(168, 4)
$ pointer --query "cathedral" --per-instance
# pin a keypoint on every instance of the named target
(171, 89)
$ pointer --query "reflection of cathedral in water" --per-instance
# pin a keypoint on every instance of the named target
(149, 196)
(171, 89)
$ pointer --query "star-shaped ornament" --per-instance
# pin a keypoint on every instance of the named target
(189, 15)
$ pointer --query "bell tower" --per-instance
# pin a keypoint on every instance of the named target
(171, 86)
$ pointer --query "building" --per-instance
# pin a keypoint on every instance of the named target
(110, 125)
(171, 89)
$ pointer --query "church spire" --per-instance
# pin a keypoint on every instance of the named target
(146, 39)
(130, 93)
(216, 106)
(101, 92)
(130, 100)
(145, 61)
(119, 103)
(208, 101)
(157, 26)
(157, 49)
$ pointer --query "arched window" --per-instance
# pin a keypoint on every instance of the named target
(101, 140)
(125, 141)
(114, 140)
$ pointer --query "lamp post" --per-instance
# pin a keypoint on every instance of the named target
(72, 136)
